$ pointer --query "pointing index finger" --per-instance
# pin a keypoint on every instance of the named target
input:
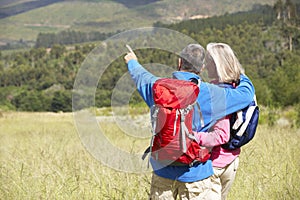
(130, 49)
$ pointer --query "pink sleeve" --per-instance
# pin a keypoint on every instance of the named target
(218, 135)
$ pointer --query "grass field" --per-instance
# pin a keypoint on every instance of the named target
(41, 157)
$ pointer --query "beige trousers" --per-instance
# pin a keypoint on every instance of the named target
(223, 179)
(167, 189)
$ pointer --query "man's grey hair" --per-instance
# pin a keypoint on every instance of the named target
(192, 58)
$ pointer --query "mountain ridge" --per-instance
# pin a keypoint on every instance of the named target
(24, 7)
(105, 15)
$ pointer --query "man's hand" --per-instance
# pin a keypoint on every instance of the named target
(130, 56)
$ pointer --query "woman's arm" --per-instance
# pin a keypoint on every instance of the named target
(219, 134)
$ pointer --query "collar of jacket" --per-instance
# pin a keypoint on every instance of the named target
(185, 75)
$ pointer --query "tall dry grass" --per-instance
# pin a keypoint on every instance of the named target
(269, 166)
(41, 157)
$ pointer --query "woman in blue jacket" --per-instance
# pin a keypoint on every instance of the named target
(190, 182)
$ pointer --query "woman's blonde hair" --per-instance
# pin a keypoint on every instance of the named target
(227, 65)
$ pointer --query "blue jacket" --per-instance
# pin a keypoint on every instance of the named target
(215, 102)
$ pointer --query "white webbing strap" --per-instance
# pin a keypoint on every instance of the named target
(200, 114)
(175, 122)
(154, 113)
(248, 117)
(238, 121)
(183, 133)
(183, 129)
(190, 136)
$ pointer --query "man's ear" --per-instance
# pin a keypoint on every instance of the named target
(179, 64)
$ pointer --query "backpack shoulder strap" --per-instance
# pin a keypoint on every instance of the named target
(239, 122)
(249, 113)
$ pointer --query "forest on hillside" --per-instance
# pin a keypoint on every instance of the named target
(265, 39)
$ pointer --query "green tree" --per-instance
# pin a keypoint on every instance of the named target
(31, 101)
(61, 101)
(279, 8)
(57, 51)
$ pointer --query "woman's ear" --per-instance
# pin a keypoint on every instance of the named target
(179, 64)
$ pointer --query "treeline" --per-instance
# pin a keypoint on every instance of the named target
(262, 14)
(269, 50)
(69, 37)
(47, 40)
(38, 80)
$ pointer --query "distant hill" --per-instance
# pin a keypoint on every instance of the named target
(135, 3)
(23, 20)
(5, 3)
(8, 9)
